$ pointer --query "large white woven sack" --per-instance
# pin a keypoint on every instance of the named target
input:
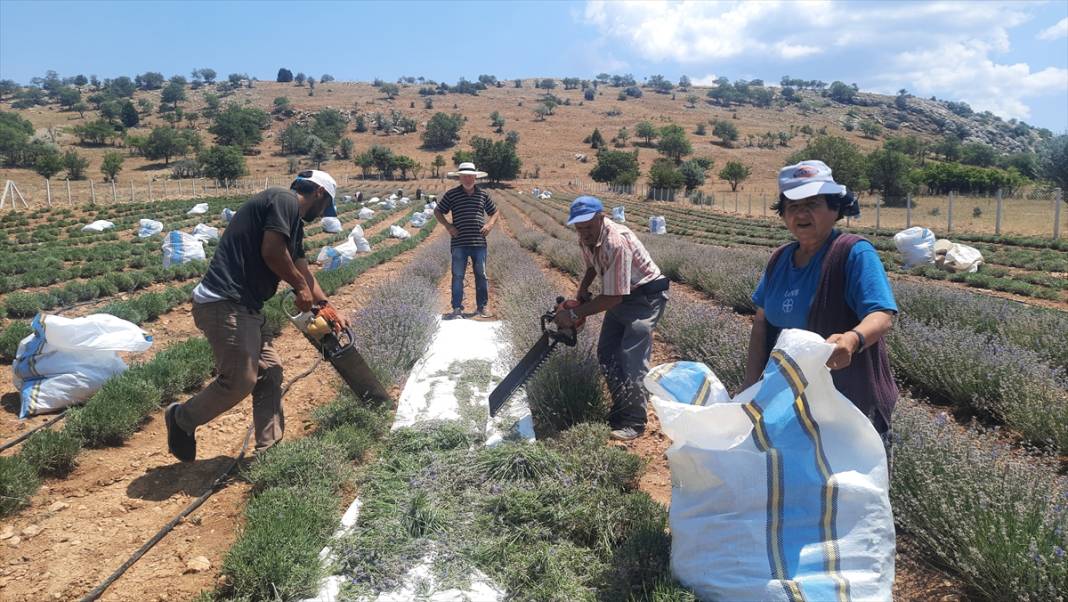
(780, 493)
(149, 227)
(66, 360)
(916, 246)
(180, 247)
(198, 209)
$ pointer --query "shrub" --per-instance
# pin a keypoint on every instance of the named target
(977, 508)
(10, 338)
(52, 453)
(710, 335)
(115, 412)
(18, 482)
(23, 305)
(307, 464)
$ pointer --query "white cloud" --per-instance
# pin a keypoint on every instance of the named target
(1056, 31)
(707, 80)
(945, 48)
(964, 70)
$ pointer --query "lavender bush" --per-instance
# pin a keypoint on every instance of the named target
(981, 371)
(998, 521)
(1041, 330)
(708, 334)
(395, 327)
(567, 389)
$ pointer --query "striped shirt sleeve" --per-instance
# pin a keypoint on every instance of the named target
(615, 280)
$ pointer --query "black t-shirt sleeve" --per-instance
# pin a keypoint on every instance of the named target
(281, 215)
(298, 246)
(489, 207)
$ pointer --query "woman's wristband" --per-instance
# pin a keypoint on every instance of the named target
(860, 337)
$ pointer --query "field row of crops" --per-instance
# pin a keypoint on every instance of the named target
(118, 410)
(991, 511)
(1028, 270)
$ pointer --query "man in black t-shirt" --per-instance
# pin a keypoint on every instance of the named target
(262, 245)
(473, 216)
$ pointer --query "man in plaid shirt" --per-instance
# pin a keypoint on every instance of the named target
(633, 296)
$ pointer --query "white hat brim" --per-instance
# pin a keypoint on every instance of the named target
(810, 189)
(582, 218)
(457, 174)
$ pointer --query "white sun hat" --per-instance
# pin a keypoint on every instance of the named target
(467, 168)
(807, 179)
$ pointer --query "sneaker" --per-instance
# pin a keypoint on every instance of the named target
(181, 444)
(626, 433)
(457, 314)
(482, 312)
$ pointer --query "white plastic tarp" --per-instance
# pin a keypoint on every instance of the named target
(365, 213)
(198, 209)
(180, 247)
(430, 394)
(149, 227)
(916, 246)
(399, 232)
(98, 226)
(205, 233)
(780, 493)
(418, 220)
(331, 225)
(66, 360)
(332, 258)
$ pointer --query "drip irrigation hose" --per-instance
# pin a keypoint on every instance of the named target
(189, 509)
(26, 435)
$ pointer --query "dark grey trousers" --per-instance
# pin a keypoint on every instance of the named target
(623, 351)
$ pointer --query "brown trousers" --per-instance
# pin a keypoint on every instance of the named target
(246, 363)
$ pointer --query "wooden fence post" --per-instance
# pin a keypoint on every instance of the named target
(48, 191)
(92, 190)
(179, 187)
(1057, 198)
(908, 210)
(878, 204)
(69, 202)
(949, 216)
(750, 210)
(150, 189)
(997, 216)
(131, 190)
(114, 195)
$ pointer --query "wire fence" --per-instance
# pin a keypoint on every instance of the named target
(1039, 213)
(21, 195)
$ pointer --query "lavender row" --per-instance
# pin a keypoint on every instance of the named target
(993, 518)
(1041, 330)
(395, 327)
(567, 389)
(982, 372)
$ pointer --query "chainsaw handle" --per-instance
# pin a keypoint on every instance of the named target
(567, 336)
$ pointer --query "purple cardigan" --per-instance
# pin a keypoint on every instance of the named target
(867, 382)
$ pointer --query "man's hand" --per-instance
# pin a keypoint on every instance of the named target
(303, 299)
(845, 345)
(486, 229)
(583, 295)
(563, 320)
(337, 320)
(453, 230)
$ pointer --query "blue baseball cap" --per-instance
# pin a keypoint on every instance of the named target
(583, 209)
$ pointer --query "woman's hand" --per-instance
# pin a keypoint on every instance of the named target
(845, 345)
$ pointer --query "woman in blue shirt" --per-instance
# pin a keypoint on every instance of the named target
(830, 283)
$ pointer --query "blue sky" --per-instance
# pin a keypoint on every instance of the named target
(1007, 57)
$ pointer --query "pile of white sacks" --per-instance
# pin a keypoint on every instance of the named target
(919, 246)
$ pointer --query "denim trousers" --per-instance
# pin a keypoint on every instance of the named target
(460, 256)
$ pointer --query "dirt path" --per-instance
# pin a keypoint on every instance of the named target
(119, 497)
(914, 579)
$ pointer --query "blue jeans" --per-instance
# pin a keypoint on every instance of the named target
(459, 267)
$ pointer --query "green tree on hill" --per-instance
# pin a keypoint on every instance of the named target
(498, 159)
(673, 143)
(843, 157)
(223, 163)
(841, 92)
(693, 173)
(172, 94)
(284, 76)
(664, 174)
(595, 140)
(240, 126)
(1053, 162)
(726, 131)
(442, 131)
(645, 130)
(436, 166)
(734, 172)
(129, 116)
(870, 128)
(48, 163)
(616, 167)
(390, 90)
(75, 164)
(111, 165)
(888, 172)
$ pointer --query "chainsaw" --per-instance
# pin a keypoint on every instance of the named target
(550, 337)
(338, 348)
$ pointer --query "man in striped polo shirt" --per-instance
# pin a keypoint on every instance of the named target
(473, 216)
(633, 296)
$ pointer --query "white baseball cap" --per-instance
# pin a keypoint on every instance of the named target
(807, 179)
(321, 178)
